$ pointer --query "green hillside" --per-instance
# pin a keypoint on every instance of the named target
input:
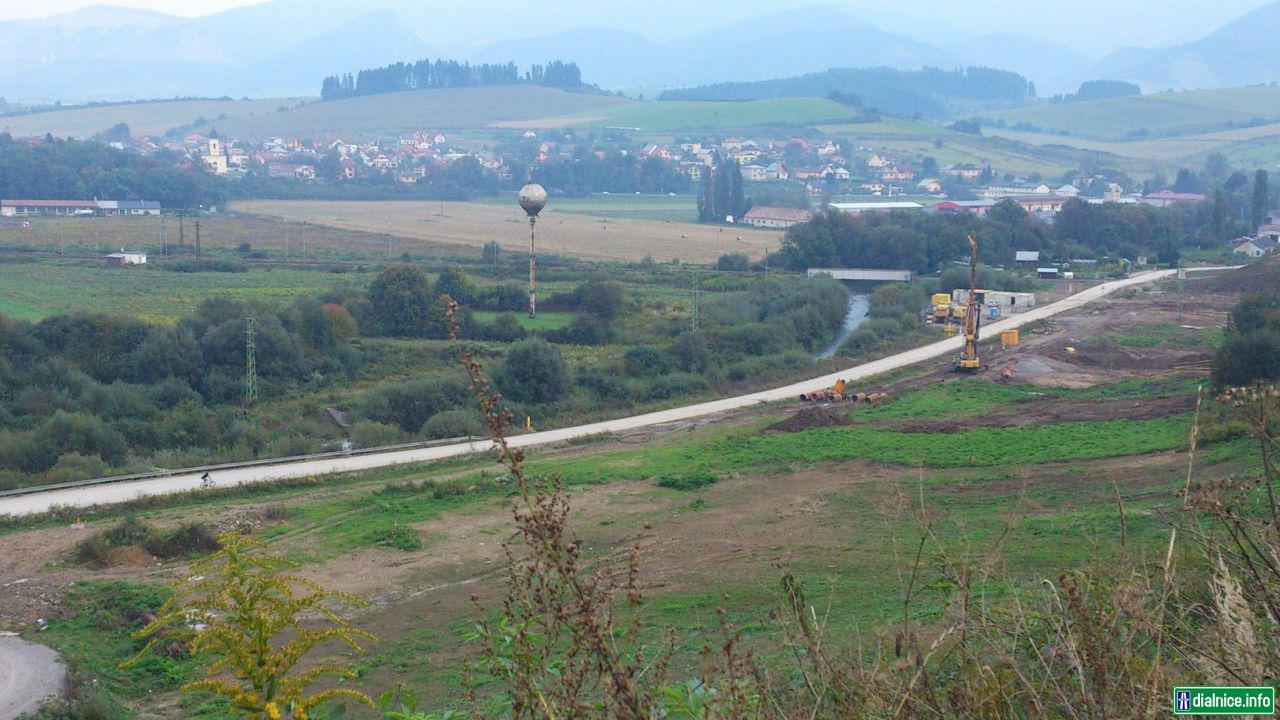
(143, 118)
(392, 113)
(1159, 115)
(677, 115)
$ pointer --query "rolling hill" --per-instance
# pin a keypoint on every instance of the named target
(143, 118)
(1159, 115)
(388, 114)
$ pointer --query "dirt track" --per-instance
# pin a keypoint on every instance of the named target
(29, 675)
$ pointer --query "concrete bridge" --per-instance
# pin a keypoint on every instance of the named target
(862, 274)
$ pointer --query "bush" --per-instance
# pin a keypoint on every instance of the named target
(397, 537)
(692, 480)
(453, 423)
(182, 542)
(733, 262)
(584, 330)
(602, 298)
(675, 385)
(410, 404)
(504, 328)
(532, 372)
(645, 362)
(371, 433)
(206, 265)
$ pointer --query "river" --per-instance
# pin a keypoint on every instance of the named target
(856, 314)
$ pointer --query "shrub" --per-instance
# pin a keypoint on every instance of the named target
(410, 404)
(645, 361)
(675, 385)
(504, 328)
(602, 298)
(733, 262)
(692, 480)
(533, 372)
(371, 433)
(397, 537)
(453, 423)
(184, 541)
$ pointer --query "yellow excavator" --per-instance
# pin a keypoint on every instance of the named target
(968, 360)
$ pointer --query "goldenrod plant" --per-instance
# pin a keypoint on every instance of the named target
(243, 609)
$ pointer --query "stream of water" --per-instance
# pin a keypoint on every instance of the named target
(859, 305)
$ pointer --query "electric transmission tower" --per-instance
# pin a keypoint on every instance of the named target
(250, 366)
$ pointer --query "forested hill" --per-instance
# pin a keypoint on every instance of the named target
(928, 91)
(426, 74)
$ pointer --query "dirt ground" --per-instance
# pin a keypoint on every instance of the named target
(474, 224)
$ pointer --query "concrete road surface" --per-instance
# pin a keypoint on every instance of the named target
(122, 491)
(29, 675)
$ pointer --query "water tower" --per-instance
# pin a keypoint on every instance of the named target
(532, 198)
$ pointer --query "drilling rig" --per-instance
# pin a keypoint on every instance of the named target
(968, 360)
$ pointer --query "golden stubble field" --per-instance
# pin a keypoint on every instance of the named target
(474, 224)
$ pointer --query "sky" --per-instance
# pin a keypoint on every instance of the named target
(1091, 27)
(14, 9)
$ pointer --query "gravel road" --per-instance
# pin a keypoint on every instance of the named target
(29, 674)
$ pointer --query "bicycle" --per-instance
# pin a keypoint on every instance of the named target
(206, 482)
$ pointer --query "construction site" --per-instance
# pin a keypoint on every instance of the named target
(1041, 435)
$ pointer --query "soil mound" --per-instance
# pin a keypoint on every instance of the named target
(812, 417)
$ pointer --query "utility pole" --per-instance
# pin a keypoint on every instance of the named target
(197, 241)
(182, 233)
(250, 366)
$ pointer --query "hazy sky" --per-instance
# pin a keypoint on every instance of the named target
(1093, 27)
(10, 9)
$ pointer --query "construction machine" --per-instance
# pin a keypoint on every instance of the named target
(968, 360)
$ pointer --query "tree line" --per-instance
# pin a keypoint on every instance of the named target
(58, 169)
(428, 74)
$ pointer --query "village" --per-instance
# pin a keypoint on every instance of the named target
(785, 175)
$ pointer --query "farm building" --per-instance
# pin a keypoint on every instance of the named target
(128, 207)
(1026, 256)
(854, 208)
(774, 217)
(127, 258)
(20, 208)
(977, 207)
(1253, 247)
(1165, 198)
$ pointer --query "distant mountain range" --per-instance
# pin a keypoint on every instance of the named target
(285, 47)
(1242, 52)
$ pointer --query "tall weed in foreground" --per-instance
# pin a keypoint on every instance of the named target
(253, 619)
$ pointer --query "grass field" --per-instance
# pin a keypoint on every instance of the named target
(677, 208)
(675, 116)
(427, 224)
(1161, 114)
(386, 115)
(905, 137)
(33, 290)
(149, 118)
(544, 320)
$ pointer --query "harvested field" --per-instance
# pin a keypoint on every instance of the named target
(420, 225)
